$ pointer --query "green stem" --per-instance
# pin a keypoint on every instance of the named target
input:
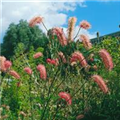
(30, 99)
(56, 111)
(1, 89)
(48, 96)
(77, 33)
(44, 26)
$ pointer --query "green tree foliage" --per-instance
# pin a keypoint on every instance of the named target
(22, 33)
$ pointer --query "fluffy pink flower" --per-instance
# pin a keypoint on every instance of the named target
(85, 25)
(14, 74)
(71, 26)
(99, 80)
(60, 34)
(28, 70)
(37, 55)
(2, 65)
(48, 60)
(7, 64)
(106, 58)
(62, 57)
(86, 42)
(41, 68)
(66, 97)
(35, 20)
(52, 61)
(77, 56)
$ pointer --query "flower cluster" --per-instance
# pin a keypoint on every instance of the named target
(62, 59)
(107, 59)
(77, 56)
(86, 42)
(99, 80)
(35, 20)
(43, 74)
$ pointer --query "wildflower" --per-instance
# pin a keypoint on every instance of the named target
(79, 117)
(106, 58)
(37, 55)
(52, 61)
(28, 70)
(35, 20)
(77, 56)
(14, 74)
(7, 64)
(85, 25)
(71, 25)
(60, 34)
(41, 68)
(61, 55)
(66, 97)
(2, 65)
(86, 42)
(99, 80)
(48, 60)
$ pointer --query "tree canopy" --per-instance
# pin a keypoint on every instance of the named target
(22, 33)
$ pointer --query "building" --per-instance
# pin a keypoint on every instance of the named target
(99, 39)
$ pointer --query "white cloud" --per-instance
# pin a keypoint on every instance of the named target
(54, 13)
(85, 32)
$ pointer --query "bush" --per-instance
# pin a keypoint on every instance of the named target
(68, 90)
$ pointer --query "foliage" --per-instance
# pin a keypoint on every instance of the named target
(22, 33)
(30, 97)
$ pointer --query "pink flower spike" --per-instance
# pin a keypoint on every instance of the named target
(86, 42)
(14, 74)
(52, 61)
(85, 25)
(35, 20)
(77, 56)
(48, 60)
(7, 64)
(28, 70)
(71, 26)
(66, 97)
(37, 55)
(60, 35)
(99, 80)
(107, 59)
(2, 65)
(43, 74)
(62, 57)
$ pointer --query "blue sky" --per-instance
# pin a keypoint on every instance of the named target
(104, 16)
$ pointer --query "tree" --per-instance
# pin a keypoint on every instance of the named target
(22, 33)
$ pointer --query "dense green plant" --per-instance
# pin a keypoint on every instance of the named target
(30, 97)
(109, 106)
(21, 33)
